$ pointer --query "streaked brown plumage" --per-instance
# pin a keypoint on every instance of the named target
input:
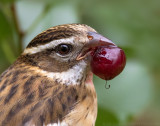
(33, 91)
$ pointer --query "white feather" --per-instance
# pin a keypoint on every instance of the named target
(51, 124)
(68, 77)
(57, 124)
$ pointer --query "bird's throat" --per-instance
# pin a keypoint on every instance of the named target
(89, 79)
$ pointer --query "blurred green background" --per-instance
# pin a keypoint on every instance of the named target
(134, 25)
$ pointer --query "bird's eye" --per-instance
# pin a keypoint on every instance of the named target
(63, 49)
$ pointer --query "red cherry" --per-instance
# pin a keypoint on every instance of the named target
(108, 62)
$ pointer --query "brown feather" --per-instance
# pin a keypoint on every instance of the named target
(35, 97)
(28, 96)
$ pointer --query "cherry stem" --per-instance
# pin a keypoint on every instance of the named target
(107, 86)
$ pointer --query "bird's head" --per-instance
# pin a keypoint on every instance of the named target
(63, 52)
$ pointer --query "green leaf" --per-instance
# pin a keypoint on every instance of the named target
(6, 39)
(8, 52)
(3, 61)
(8, 1)
(5, 27)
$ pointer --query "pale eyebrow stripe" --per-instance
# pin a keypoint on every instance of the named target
(49, 45)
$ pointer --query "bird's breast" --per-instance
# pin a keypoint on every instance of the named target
(85, 110)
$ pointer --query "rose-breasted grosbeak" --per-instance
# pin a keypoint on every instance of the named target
(50, 83)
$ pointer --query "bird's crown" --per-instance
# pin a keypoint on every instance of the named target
(59, 33)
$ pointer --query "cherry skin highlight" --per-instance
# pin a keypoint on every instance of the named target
(107, 62)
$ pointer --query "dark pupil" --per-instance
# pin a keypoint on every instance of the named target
(63, 49)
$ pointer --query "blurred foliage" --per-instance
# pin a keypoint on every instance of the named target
(133, 98)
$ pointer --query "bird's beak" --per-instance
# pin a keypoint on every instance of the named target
(95, 40)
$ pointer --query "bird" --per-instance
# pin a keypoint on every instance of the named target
(51, 82)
